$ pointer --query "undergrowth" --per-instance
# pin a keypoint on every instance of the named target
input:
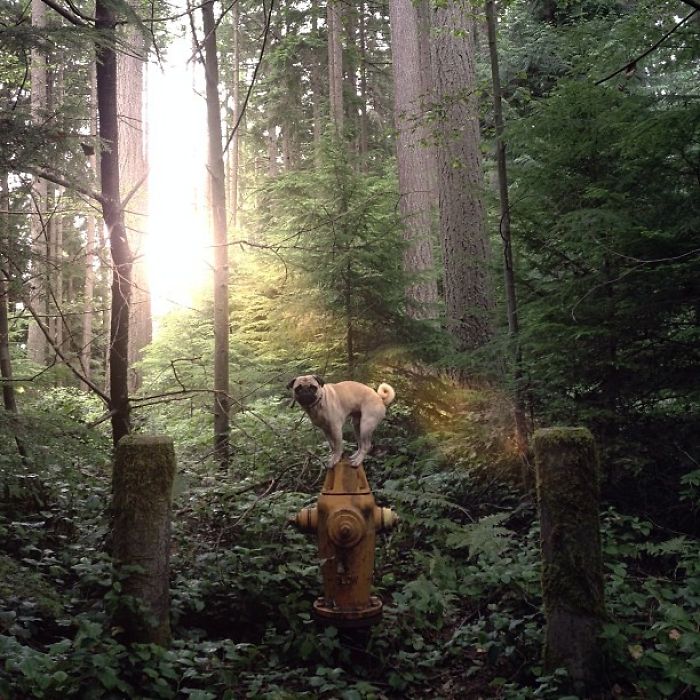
(459, 577)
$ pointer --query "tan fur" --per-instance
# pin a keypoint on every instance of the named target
(330, 405)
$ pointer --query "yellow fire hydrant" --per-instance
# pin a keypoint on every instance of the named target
(346, 519)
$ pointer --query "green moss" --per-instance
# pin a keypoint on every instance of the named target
(144, 466)
(568, 492)
(144, 469)
(562, 435)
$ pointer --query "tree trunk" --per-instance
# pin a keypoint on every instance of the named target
(272, 169)
(316, 90)
(37, 345)
(133, 169)
(349, 326)
(415, 158)
(348, 37)
(8, 390)
(53, 203)
(572, 568)
(521, 425)
(9, 398)
(234, 147)
(55, 275)
(85, 352)
(468, 292)
(364, 125)
(144, 470)
(113, 214)
(335, 64)
(220, 240)
(58, 269)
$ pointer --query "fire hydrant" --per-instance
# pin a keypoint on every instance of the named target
(346, 519)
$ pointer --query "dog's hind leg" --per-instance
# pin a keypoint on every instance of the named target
(368, 424)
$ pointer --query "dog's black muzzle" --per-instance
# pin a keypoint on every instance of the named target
(306, 396)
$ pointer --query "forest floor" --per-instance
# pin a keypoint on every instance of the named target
(459, 577)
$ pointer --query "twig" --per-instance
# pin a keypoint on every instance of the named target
(632, 64)
(266, 34)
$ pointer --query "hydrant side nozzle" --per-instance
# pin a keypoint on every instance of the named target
(384, 519)
(306, 519)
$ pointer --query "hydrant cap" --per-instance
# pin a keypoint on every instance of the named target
(346, 527)
(385, 519)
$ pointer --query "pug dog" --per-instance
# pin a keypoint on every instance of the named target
(329, 405)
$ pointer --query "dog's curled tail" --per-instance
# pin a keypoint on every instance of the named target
(386, 393)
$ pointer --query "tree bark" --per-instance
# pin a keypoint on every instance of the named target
(272, 169)
(85, 352)
(144, 471)
(113, 214)
(572, 575)
(466, 251)
(8, 390)
(364, 123)
(56, 270)
(335, 64)
(415, 158)
(133, 169)
(316, 89)
(521, 424)
(234, 147)
(220, 240)
(37, 345)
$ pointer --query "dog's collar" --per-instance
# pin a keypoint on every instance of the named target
(316, 402)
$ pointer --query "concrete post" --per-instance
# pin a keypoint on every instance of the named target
(144, 470)
(568, 492)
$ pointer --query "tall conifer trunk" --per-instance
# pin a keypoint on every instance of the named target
(85, 353)
(335, 64)
(364, 125)
(521, 425)
(37, 345)
(113, 214)
(415, 156)
(316, 88)
(133, 168)
(9, 398)
(221, 260)
(234, 148)
(468, 293)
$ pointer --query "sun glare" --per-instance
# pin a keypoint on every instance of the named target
(178, 241)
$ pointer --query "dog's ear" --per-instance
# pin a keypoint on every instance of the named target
(319, 380)
(291, 383)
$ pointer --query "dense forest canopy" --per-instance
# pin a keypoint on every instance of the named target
(494, 208)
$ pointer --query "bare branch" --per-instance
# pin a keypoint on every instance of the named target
(59, 180)
(268, 24)
(66, 14)
(629, 66)
(57, 350)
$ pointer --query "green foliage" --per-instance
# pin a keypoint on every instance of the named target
(605, 211)
(459, 579)
(608, 286)
(338, 227)
(648, 571)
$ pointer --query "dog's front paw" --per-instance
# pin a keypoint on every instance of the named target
(333, 460)
(356, 459)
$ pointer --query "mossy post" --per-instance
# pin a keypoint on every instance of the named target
(568, 493)
(144, 470)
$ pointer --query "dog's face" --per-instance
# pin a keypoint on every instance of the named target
(306, 388)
